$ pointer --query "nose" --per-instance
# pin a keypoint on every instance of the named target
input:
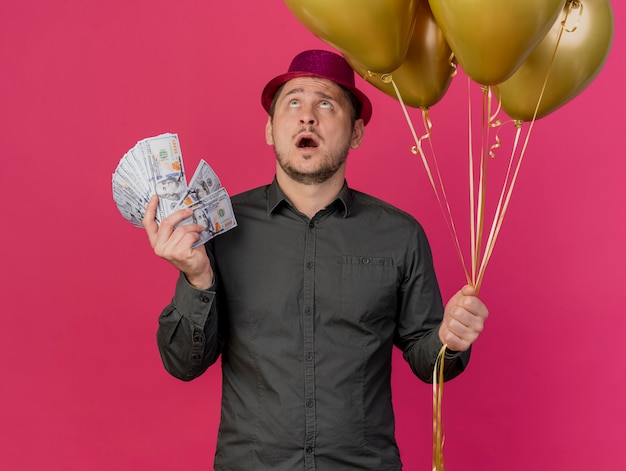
(307, 116)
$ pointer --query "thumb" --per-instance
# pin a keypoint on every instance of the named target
(468, 290)
(148, 221)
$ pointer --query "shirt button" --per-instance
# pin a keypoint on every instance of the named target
(311, 224)
(309, 449)
(309, 264)
(308, 311)
(204, 299)
(365, 260)
(309, 403)
(309, 356)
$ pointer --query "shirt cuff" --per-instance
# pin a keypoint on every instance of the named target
(451, 354)
(192, 303)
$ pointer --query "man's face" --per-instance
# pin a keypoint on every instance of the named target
(201, 218)
(312, 130)
(167, 188)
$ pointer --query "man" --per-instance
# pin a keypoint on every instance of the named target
(305, 299)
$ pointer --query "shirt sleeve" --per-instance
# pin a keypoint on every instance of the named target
(188, 336)
(420, 313)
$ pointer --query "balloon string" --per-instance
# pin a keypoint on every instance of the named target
(503, 206)
(471, 185)
(440, 192)
(438, 433)
(448, 211)
(571, 4)
(489, 121)
(387, 78)
(482, 181)
(499, 212)
(438, 369)
(494, 123)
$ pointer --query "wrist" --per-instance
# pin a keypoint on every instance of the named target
(202, 281)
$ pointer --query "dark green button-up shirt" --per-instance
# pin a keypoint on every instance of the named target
(305, 314)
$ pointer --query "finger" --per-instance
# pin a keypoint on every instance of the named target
(459, 297)
(465, 327)
(185, 235)
(453, 338)
(179, 249)
(475, 307)
(469, 301)
(171, 221)
(460, 315)
(148, 220)
(468, 290)
(170, 224)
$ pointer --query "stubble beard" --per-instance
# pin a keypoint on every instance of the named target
(329, 167)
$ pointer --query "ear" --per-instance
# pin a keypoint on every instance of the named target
(357, 134)
(269, 134)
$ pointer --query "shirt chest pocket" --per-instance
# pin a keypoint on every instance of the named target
(368, 287)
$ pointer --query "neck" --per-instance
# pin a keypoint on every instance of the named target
(309, 199)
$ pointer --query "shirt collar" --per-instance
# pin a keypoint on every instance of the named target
(276, 197)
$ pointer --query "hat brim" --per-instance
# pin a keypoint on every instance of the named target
(273, 85)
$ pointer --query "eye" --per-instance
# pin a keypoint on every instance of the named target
(326, 104)
(293, 103)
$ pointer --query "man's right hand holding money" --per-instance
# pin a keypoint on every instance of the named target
(174, 243)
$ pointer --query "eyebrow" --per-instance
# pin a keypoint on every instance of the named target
(295, 91)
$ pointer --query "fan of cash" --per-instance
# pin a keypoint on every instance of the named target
(155, 166)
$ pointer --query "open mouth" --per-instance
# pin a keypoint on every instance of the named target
(306, 142)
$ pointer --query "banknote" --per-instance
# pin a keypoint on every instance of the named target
(128, 177)
(155, 166)
(127, 201)
(214, 212)
(167, 174)
(204, 182)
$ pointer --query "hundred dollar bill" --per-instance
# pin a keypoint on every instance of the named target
(204, 182)
(135, 165)
(127, 201)
(167, 175)
(214, 212)
(127, 172)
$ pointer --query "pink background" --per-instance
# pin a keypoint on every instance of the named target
(82, 386)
